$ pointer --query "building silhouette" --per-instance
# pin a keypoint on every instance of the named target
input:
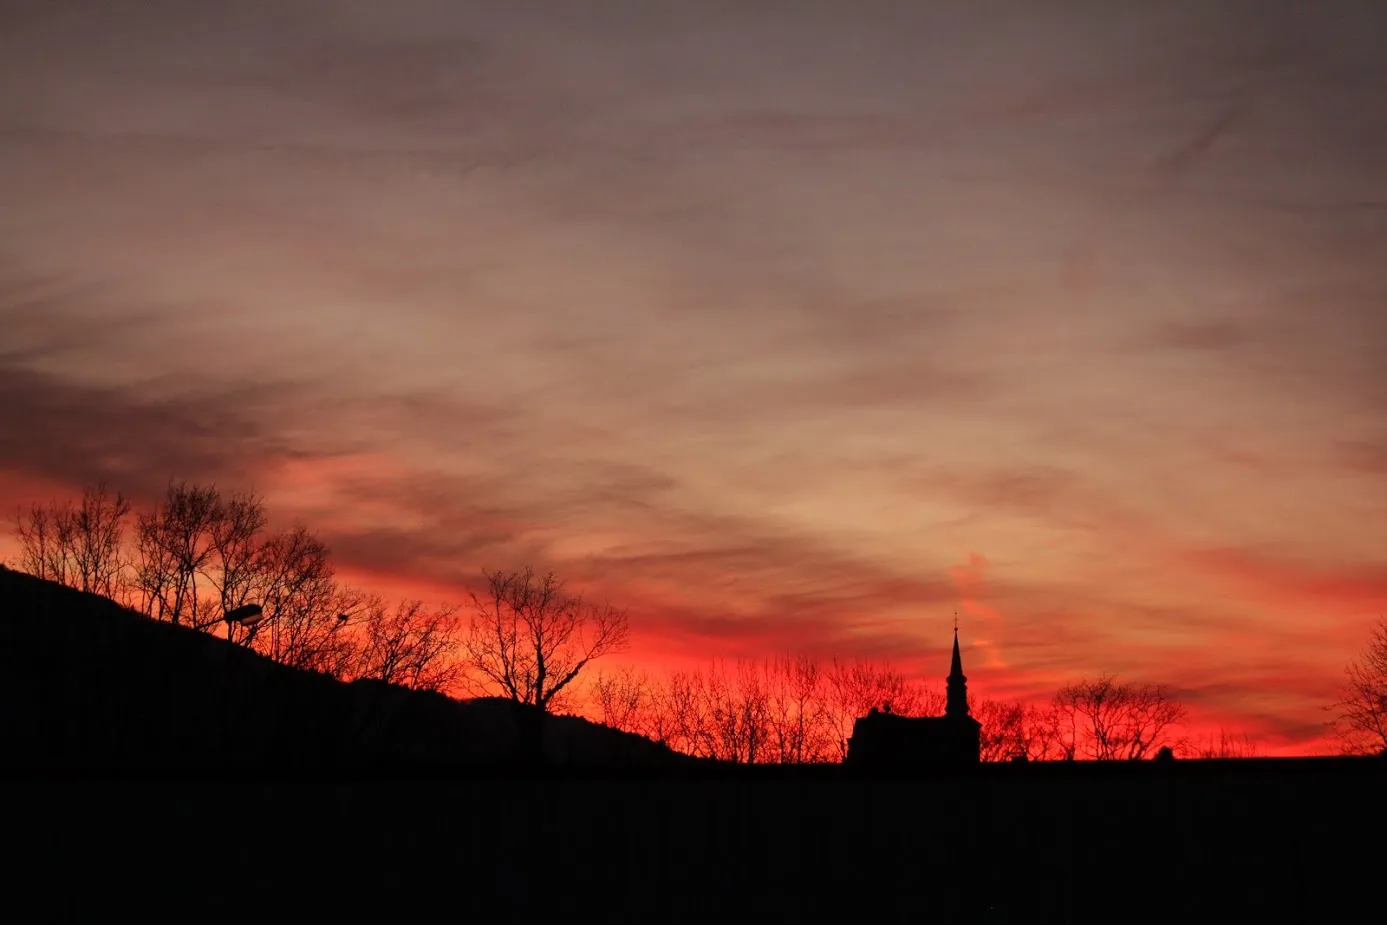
(883, 739)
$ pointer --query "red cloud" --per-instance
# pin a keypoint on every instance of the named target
(1354, 590)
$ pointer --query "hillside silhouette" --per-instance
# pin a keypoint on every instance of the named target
(88, 685)
(261, 787)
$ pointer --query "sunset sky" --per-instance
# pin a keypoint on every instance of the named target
(789, 326)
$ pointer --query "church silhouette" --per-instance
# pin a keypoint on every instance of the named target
(883, 739)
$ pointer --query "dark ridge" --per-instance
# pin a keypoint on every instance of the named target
(88, 686)
(157, 769)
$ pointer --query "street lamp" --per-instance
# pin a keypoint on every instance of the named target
(247, 615)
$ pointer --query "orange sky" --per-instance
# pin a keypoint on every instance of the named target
(786, 325)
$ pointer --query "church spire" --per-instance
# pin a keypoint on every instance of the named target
(957, 702)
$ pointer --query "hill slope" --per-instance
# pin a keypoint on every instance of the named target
(88, 684)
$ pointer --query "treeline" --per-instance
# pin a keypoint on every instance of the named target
(200, 554)
(798, 709)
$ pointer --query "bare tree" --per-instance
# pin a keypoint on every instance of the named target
(1006, 731)
(409, 645)
(1107, 720)
(735, 711)
(40, 551)
(853, 688)
(99, 532)
(681, 716)
(679, 711)
(291, 576)
(175, 544)
(327, 643)
(1225, 744)
(1014, 730)
(627, 700)
(235, 528)
(787, 709)
(1048, 734)
(77, 546)
(800, 732)
(529, 640)
(1361, 720)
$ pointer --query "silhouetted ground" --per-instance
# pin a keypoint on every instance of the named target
(88, 685)
(1290, 840)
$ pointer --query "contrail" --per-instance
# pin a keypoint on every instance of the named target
(1181, 158)
(1166, 169)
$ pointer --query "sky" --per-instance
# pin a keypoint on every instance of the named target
(788, 326)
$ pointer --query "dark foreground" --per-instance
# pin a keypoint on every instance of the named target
(151, 771)
(1207, 841)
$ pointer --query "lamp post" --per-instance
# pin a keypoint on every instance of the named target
(247, 615)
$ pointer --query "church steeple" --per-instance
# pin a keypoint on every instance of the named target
(957, 702)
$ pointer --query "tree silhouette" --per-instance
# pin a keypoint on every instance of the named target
(784, 710)
(1107, 720)
(529, 639)
(853, 688)
(175, 543)
(236, 559)
(292, 577)
(680, 714)
(199, 554)
(1361, 723)
(736, 712)
(409, 645)
(1006, 730)
(1225, 744)
(626, 699)
(1048, 734)
(799, 731)
(80, 546)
